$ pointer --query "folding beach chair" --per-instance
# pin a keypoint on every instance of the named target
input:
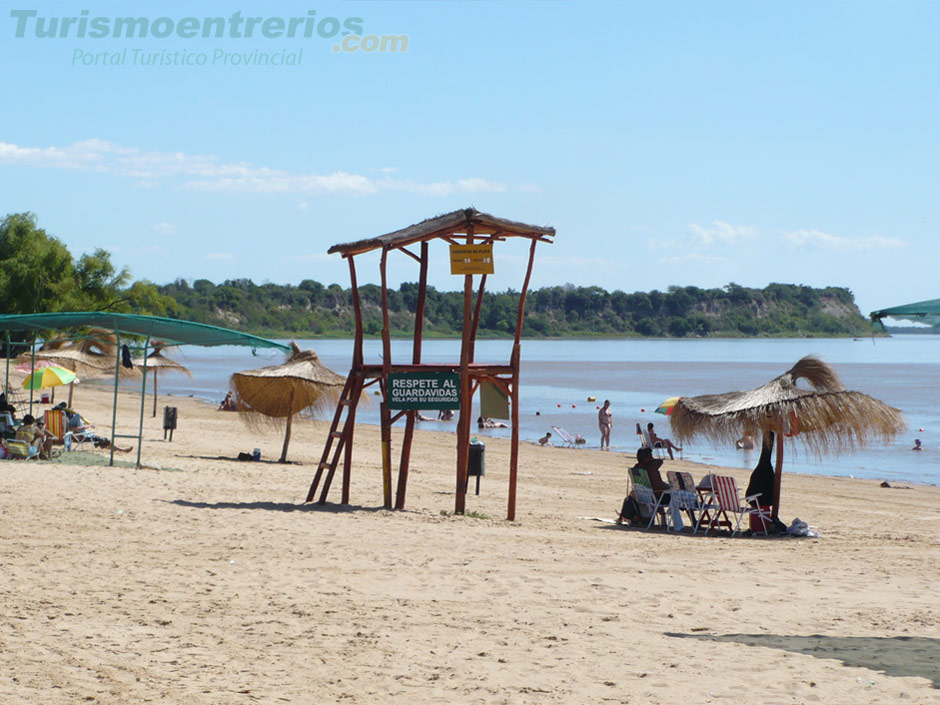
(646, 498)
(22, 447)
(7, 426)
(58, 425)
(567, 440)
(21, 450)
(658, 450)
(725, 499)
(682, 489)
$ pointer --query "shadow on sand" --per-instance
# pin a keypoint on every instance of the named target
(278, 506)
(905, 656)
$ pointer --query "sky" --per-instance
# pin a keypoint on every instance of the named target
(668, 143)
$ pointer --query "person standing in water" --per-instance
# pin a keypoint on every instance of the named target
(605, 422)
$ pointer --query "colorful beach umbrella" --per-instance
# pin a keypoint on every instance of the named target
(667, 406)
(49, 377)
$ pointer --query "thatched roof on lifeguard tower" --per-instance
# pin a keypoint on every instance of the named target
(443, 225)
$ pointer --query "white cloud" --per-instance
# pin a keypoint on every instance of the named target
(719, 233)
(806, 239)
(206, 172)
(303, 206)
(164, 228)
(227, 256)
(654, 244)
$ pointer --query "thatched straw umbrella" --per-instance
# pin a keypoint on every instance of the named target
(827, 418)
(90, 356)
(280, 391)
(158, 362)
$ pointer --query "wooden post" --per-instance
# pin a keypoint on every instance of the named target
(514, 399)
(778, 471)
(466, 406)
(154, 394)
(415, 359)
(476, 318)
(386, 366)
(290, 417)
(357, 389)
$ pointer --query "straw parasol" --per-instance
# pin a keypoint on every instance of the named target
(826, 418)
(92, 355)
(278, 392)
(158, 362)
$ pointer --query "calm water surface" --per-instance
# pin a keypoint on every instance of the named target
(636, 375)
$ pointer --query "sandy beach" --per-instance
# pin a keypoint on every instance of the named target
(202, 580)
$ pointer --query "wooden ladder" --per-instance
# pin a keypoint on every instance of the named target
(347, 402)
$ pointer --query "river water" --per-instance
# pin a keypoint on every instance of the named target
(636, 375)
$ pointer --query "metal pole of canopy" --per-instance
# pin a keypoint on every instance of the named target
(31, 373)
(6, 382)
(143, 399)
(117, 370)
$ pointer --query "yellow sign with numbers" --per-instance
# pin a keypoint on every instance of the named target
(471, 259)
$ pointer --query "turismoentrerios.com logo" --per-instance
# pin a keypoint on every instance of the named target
(349, 33)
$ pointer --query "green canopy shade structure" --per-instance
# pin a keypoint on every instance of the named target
(921, 312)
(169, 330)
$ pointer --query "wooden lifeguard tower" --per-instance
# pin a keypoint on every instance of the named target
(471, 236)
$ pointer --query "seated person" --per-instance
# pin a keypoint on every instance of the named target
(661, 442)
(917, 445)
(630, 511)
(77, 425)
(34, 433)
(546, 439)
(487, 422)
(228, 404)
(422, 417)
(445, 415)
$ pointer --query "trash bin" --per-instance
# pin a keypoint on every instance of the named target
(169, 421)
(476, 463)
(476, 466)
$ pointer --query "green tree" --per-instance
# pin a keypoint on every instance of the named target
(99, 284)
(36, 270)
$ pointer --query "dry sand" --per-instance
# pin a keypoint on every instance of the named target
(204, 581)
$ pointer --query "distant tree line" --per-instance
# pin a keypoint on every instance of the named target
(38, 274)
(312, 309)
